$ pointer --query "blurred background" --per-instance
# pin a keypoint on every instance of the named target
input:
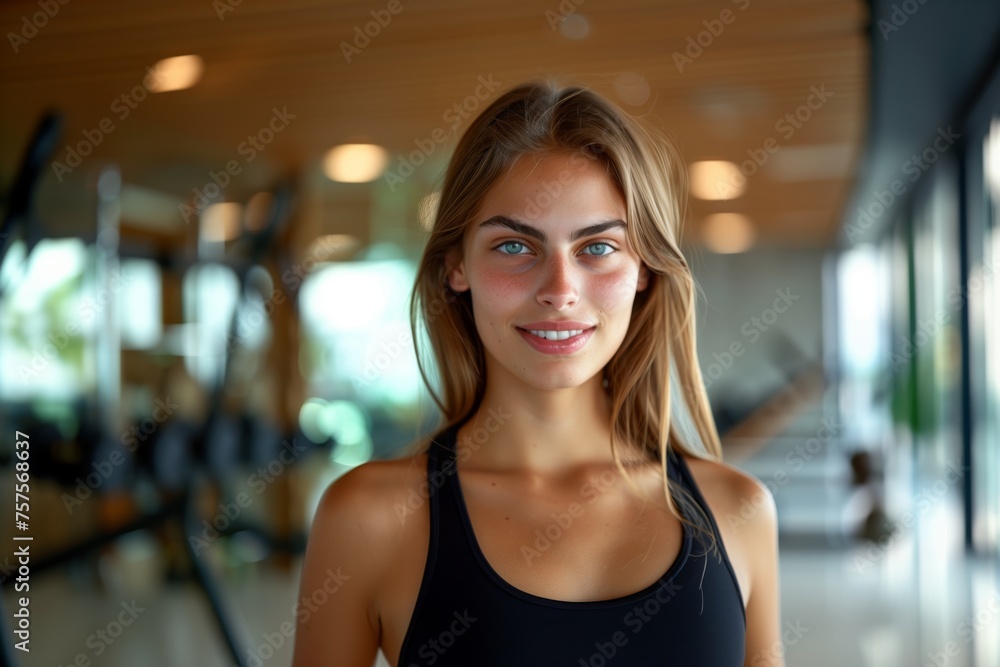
(212, 213)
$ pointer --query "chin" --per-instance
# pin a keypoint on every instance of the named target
(564, 379)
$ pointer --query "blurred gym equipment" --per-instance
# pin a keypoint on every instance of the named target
(180, 457)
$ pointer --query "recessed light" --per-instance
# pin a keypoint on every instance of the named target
(221, 221)
(176, 73)
(574, 26)
(632, 88)
(716, 180)
(727, 233)
(355, 163)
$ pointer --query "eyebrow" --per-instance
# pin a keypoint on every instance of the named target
(528, 230)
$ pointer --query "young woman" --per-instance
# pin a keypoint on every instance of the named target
(573, 508)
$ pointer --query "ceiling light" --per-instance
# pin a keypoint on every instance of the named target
(355, 163)
(176, 73)
(221, 221)
(727, 233)
(574, 26)
(716, 179)
(632, 88)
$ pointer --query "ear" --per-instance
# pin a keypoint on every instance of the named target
(455, 274)
(643, 281)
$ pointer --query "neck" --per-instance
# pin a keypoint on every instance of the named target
(540, 431)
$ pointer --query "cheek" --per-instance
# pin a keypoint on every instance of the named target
(499, 289)
(614, 292)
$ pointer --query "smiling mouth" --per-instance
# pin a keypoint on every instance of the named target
(555, 335)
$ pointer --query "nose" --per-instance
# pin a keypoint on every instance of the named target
(559, 289)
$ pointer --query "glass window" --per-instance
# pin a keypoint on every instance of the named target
(210, 293)
(49, 314)
(141, 305)
(357, 342)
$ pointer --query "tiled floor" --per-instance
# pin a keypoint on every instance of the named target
(904, 604)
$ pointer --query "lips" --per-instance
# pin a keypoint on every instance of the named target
(556, 325)
(555, 334)
(566, 346)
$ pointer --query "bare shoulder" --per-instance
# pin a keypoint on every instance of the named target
(746, 514)
(354, 537)
(374, 497)
(748, 522)
(731, 488)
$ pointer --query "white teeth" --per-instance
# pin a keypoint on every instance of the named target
(557, 335)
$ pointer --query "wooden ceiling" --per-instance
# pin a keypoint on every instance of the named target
(288, 54)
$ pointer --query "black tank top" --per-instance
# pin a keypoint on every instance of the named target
(466, 615)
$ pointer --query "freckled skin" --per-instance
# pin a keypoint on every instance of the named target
(516, 279)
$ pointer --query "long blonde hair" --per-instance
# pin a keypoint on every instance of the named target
(657, 394)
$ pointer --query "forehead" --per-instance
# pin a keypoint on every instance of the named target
(554, 188)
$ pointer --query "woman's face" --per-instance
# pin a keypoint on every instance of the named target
(548, 250)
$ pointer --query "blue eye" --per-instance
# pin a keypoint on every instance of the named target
(510, 243)
(611, 249)
(602, 245)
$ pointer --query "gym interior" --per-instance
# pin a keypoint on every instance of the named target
(212, 214)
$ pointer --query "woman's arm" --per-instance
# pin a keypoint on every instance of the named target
(335, 615)
(764, 647)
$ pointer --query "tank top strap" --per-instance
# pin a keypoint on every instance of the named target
(684, 476)
(440, 467)
(694, 604)
(719, 548)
